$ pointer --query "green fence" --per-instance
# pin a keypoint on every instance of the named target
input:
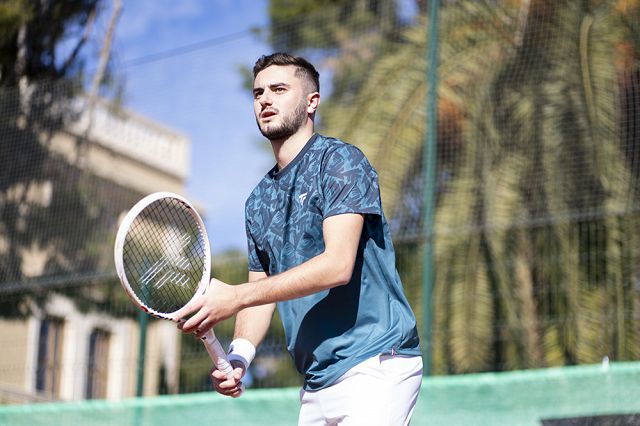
(585, 395)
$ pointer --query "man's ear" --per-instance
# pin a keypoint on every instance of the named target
(313, 101)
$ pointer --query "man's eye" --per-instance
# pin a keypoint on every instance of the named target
(279, 89)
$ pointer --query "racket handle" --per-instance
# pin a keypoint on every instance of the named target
(217, 353)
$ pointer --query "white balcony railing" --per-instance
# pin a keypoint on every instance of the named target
(134, 136)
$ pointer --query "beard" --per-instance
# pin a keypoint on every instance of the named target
(290, 124)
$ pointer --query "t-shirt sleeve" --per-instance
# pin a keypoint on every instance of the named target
(254, 260)
(252, 253)
(349, 183)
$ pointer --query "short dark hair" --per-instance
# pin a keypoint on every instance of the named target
(304, 69)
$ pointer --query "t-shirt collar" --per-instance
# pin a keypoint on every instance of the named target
(275, 174)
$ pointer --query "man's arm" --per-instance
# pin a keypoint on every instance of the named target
(252, 325)
(331, 268)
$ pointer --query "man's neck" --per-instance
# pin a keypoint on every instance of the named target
(285, 150)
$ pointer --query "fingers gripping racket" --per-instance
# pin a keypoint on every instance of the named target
(163, 260)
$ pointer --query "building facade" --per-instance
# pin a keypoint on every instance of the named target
(71, 334)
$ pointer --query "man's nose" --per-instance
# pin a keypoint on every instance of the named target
(265, 99)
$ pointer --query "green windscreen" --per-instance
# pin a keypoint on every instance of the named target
(584, 395)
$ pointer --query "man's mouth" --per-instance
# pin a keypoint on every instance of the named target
(268, 113)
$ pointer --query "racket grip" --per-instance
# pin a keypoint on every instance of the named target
(217, 353)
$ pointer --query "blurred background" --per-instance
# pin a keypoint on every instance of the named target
(506, 134)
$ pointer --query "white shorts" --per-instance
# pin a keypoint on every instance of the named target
(382, 390)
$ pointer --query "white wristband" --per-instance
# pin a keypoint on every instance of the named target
(242, 350)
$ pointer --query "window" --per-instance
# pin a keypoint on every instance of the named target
(49, 368)
(97, 364)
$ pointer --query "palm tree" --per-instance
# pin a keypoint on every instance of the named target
(535, 231)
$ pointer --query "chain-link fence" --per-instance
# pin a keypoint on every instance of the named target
(536, 228)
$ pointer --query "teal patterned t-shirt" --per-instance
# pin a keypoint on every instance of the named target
(331, 331)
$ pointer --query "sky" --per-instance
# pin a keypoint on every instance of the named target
(197, 91)
(180, 63)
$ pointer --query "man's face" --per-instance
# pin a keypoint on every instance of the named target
(279, 102)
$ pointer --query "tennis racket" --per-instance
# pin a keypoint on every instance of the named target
(163, 260)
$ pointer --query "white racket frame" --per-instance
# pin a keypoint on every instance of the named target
(213, 346)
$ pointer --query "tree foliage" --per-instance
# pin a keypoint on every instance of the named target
(299, 25)
(41, 192)
(32, 33)
(536, 231)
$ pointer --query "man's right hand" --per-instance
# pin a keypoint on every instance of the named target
(230, 387)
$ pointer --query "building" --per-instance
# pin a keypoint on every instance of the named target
(65, 348)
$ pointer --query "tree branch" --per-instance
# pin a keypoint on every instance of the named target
(85, 36)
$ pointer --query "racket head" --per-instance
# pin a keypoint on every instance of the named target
(162, 254)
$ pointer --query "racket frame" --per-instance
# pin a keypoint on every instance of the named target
(123, 229)
(213, 346)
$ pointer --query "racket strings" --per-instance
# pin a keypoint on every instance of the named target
(164, 255)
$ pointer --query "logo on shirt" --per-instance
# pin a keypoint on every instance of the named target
(302, 197)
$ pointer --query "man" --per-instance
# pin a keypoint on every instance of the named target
(319, 248)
